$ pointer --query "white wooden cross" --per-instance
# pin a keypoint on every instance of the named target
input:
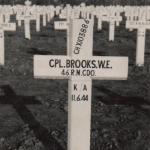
(37, 11)
(99, 23)
(114, 19)
(57, 10)
(7, 11)
(4, 27)
(60, 25)
(141, 25)
(80, 67)
(69, 11)
(51, 13)
(65, 14)
(111, 15)
(38, 18)
(83, 10)
(18, 9)
(27, 16)
(63, 25)
(44, 15)
(100, 12)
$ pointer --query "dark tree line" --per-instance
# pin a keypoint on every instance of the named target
(73, 2)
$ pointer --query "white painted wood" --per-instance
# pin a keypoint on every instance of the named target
(4, 27)
(111, 30)
(28, 3)
(2, 54)
(7, 18)
(141, 27)
(27, 18)
(60, 25)
(99, 24)
(114, 71)
(140, 47)
(79, 95)
(38, 23)
(27, 29)
(8, 26)
(44, 20)
(19, 23)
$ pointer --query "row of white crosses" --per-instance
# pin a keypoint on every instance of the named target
(112, 15)
(23, 13)
(80, 67)
(137, 18)
(30, 12)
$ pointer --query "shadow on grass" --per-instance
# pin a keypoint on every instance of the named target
(35, 51)
(18, 102)
(113, 98)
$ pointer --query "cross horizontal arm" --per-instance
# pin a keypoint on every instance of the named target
(8, 26)
(138, 24)
(65, 67)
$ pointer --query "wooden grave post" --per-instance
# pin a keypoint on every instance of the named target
(141, 24)
(4, 27)
(27, 16)
(80, 67)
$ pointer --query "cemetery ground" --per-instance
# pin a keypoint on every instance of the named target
(33, 112)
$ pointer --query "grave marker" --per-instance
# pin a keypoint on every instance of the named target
(114, 19)
(51, 13)
(7, 12)
(141, 27)
(4, 27)
(18, 11)
(69, 13)
(60, 25)
(109, 14)
(99, 23)
(38, 22)
(37, 12)
(27, 16)
(80, 67)
(44, 18)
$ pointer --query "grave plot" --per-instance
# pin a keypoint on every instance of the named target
(115, 123)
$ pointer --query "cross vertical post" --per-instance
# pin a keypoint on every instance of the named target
(141, 27)
(38, 23)
(79, 121)
(2, 49)
(80, 67)
(111, 30)
(4, 27)
(140, 49)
